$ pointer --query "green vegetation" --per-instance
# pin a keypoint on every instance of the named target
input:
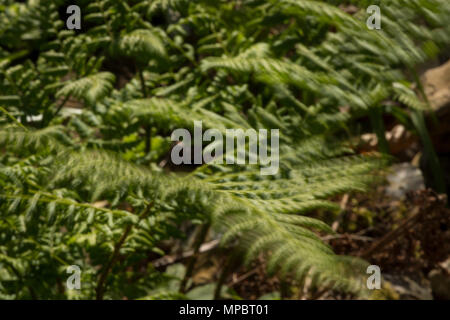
(93, 188)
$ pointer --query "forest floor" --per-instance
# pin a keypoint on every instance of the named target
(407, 237)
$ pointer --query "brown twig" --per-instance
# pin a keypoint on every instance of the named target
(392, 235)
(244, 276)
(349, 236)
(343, 206)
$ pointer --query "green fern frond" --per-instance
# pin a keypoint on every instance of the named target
(91, 89)
(143, 45)
(50, 138)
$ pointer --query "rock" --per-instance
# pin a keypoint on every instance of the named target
(436, 84)
(440, 281)
(404, 177)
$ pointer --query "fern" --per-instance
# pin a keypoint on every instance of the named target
(142, 44)
(90, 185)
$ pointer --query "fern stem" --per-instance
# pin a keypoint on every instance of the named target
(438, 180)
(12, 118)
(200, 238)
(148, 139)
(59, 108)
(419, 122)
(376, 119)
(63, 201)
(229, 264)
(100, 289)
(147, 128)
(143, 87)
